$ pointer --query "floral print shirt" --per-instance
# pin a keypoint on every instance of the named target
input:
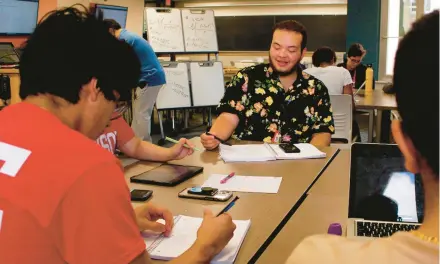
(268, 113)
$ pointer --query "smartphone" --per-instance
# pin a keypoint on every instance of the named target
(206, 191)
(218, 195)
(140, 195)
(289, 148)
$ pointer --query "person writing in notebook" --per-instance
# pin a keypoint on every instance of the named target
(63, 198)
(419, 146)
(354, 65)
(119, 135)
(275, 102)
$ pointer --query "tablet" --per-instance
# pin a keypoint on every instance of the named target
(167, 175)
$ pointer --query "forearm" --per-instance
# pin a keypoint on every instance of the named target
(152, 152)
(321, 140)
(224, 125)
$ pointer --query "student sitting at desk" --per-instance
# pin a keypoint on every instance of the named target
(63, 198)
(354, 65)
(276, 102)
(119, 135)
(419, 146)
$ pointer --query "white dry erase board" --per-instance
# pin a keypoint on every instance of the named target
(199, 30)
(175, 93)
(207, 83)
(164, 29)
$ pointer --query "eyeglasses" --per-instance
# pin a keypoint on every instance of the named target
(121, 107)
(355, 61)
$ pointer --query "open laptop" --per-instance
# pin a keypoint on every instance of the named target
(384, 197)
(8, 54)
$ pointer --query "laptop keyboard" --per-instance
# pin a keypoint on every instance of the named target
(382, 229)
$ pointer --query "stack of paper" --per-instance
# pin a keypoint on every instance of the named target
(184, 234)
(266, 152)
(255, 184)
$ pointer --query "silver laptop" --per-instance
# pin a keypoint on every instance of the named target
(384, 197)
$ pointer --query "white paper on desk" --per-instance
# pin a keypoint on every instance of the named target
(308, 151)
(253, 184)
(185, 233)
(252, 152)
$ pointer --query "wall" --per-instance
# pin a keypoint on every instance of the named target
(43, 7)
(135, 18)
(363, 26)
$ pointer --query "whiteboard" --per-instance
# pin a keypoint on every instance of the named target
(207, 83)
(164, 29)
(199, 30)
(175, 93)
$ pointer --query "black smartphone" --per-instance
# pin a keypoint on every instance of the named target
(289, 148)
(205, 191)
(140, 195)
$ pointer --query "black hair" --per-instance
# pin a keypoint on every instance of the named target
(356, 50)
(417, 88)
(293, 25)
(323, 55)
(67, 49)
(112, 24)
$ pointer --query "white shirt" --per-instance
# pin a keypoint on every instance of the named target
(334, 78)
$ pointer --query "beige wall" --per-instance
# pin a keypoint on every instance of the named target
(135, 16)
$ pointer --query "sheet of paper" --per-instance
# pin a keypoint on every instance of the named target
(308, 151)
(185, 233)
(253, 184)
(239, 153)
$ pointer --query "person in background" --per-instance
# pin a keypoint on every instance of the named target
(419, 143)
(63, 198)
(354, 65)
(276, 102)
(119, 135)
(337, 79)
(151, 81)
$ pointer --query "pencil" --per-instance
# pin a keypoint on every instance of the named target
(175, 142)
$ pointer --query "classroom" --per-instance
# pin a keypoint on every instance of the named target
(208, 131)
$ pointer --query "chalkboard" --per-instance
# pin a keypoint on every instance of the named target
(175, 93)
(199, 30)
(164, 29)
(254, 33)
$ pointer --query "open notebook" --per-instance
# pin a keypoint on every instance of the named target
(185, 233)
(266, 152)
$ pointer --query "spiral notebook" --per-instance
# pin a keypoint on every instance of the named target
(185, 233)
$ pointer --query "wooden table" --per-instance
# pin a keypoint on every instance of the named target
(14, 76)
(379, 101)
(265, 210)
(326, 203)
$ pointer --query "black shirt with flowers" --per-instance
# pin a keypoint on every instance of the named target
(268, 113)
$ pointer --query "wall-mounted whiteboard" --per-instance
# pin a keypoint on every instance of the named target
(164, 29)
(199, 30)
(175, 93)
(207, 83)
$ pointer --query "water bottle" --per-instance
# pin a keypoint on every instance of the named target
(369, 79)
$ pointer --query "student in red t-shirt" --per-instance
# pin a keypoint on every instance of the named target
(63, 198)
(119, 135)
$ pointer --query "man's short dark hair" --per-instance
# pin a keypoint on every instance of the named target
(323, 55)
(293, 25)
(112, 24)
(417, 88)
(356, 50)
(67, 49)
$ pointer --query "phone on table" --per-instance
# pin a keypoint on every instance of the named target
(206, 193)
(289, 148)
(140, 195)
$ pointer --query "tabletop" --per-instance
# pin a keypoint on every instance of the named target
(265, 210)
(377, 100)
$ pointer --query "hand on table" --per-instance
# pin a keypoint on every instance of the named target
(208, 141)
(179, 151)
(148, 214)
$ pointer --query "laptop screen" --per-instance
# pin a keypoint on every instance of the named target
(380, 187)
(8, 54)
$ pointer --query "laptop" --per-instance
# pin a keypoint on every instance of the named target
(8, 54)
(384, 197)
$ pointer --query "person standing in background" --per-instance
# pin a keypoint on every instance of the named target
(151, 80)
(354, 65)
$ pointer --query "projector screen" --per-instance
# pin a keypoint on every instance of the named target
(18, 17)
(118, 13)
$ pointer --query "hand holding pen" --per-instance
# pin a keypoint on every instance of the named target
(210, 141)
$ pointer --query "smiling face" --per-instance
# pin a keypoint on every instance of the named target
(285, 51)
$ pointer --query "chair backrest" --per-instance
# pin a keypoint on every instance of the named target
(343, 116)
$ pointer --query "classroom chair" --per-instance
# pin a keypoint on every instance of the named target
(342, 106)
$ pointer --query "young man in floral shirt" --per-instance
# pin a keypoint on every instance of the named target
(276, 102)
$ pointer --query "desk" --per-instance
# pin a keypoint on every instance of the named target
(14, 77)
(326, 203)
(377, 101)
(265, 210)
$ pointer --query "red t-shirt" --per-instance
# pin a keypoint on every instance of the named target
(63, 199)
(115, 135)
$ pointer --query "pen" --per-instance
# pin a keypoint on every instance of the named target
(185, 145)
(229, 206)
(224, 180)
(221, 140)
